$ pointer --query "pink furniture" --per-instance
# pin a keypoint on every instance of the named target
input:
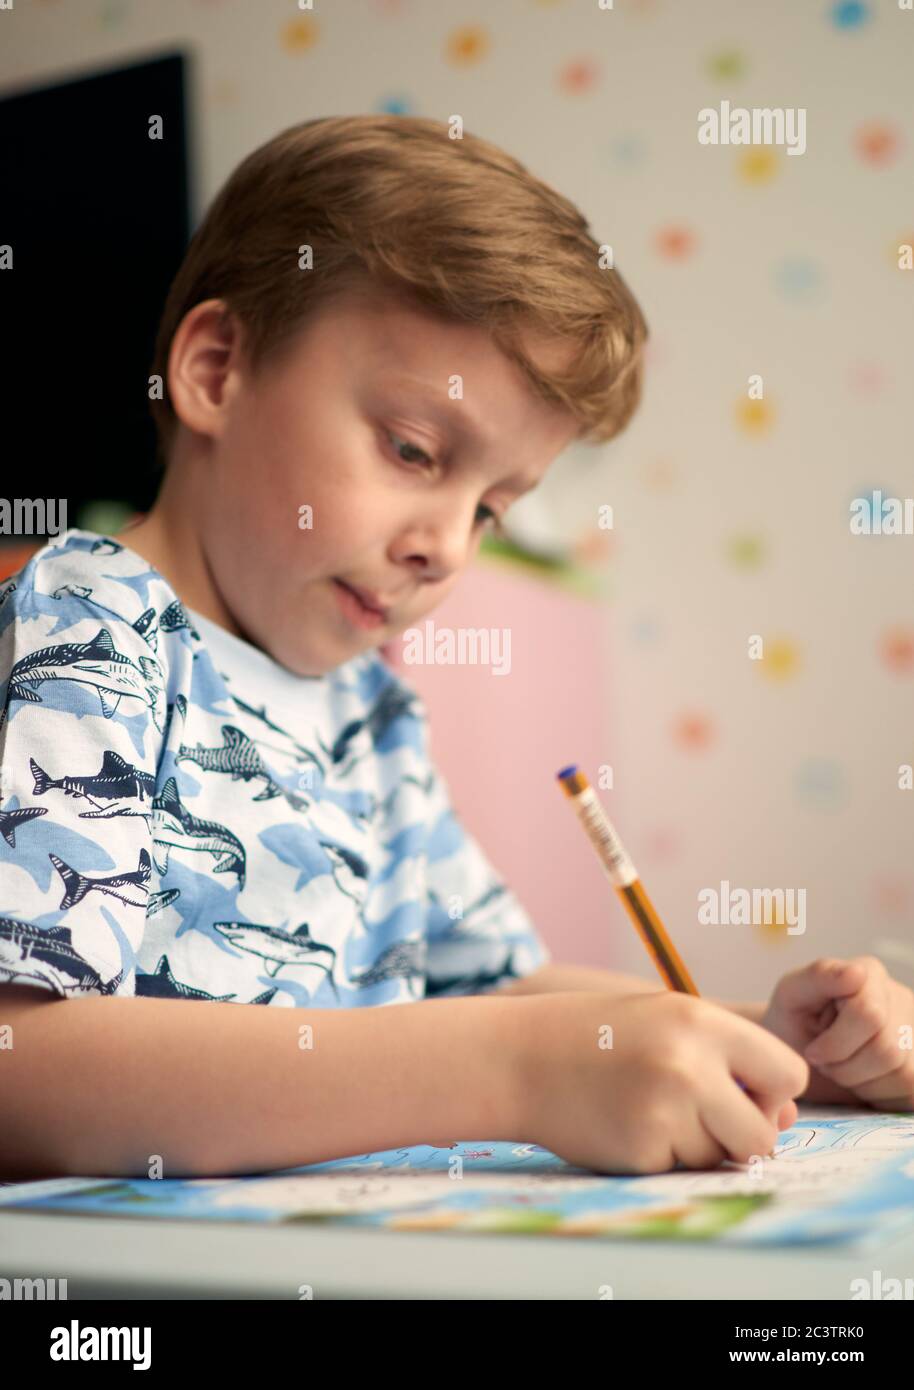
(499, 740)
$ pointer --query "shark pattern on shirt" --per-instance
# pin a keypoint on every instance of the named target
(96, 664)
(184, 818)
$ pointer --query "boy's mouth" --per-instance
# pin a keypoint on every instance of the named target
(358, 605)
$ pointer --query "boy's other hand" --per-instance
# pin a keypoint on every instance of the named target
(854, 1026)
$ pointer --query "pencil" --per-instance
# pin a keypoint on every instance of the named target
(625, 880)
(624, 877)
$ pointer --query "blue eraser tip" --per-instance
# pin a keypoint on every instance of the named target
(567, 771)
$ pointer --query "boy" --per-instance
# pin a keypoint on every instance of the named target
(215, 791)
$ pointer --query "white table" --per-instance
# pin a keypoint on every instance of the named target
(117, 1257)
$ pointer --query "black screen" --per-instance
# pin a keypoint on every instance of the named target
(97, 215)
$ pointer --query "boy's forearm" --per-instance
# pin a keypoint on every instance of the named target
(556, 976)
(95, 1086)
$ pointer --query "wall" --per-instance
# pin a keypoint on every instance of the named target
(731, 515)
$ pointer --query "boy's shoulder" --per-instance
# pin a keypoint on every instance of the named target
(81, 578)
(86, 609)
(81, 575)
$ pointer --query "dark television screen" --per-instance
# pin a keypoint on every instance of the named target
(97, 215)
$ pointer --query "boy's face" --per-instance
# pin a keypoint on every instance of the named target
(355, 422)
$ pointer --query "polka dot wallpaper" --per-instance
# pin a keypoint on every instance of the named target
(759, 643)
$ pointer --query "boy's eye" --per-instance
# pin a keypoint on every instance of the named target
(397, 442)
(483, 514)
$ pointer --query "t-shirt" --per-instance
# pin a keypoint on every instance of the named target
(182, 817)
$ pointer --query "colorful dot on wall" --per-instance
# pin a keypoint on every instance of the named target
(661, 843)
(774, 921)
(628, 151)
(675, 242)
(867, 378)
(821, 784)
(891, 895)
(727, 64)
(580, 75)
(865, 503)
(757, 166)
(849, 14)
(298, 35)
(646, 630)
(593, 547)
(754, 417)
(693, 731)
(896, 650)
(799, 279)
(467, 45)
(395, 106)
(659, 476)
(877, 143)
(780, 658)
(746, 552)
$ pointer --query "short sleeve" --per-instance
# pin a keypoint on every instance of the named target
(82, 718)
(479, 935)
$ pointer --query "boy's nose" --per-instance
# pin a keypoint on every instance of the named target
(444, 551)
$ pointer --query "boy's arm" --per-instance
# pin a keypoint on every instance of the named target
(100, 1086)
(555, 976)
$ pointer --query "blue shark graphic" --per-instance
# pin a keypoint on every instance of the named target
(10, 819)
(350, 870)
(78, 590)
(279, 947)
(159, 901)
(161, 984)
(174, 827)
(147, 627)
(472, 981)
(307, 754)
(238, 757)
(96, 663)
(313, 854)
(174, 617)
(77, 885)
(145, 624)
(408, 780)
(139, 583)
(116, 781)
(45, 955)
(402, 960)
(394, 703)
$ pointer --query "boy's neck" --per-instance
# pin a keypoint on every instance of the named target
(166, 538)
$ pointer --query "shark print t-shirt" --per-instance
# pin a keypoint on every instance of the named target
(182, 817)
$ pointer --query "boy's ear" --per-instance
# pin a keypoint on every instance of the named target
(205, 366)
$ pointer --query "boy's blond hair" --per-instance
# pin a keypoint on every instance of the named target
(455, 226)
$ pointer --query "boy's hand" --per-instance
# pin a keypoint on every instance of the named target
(853, 1024)
(638, 1083)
